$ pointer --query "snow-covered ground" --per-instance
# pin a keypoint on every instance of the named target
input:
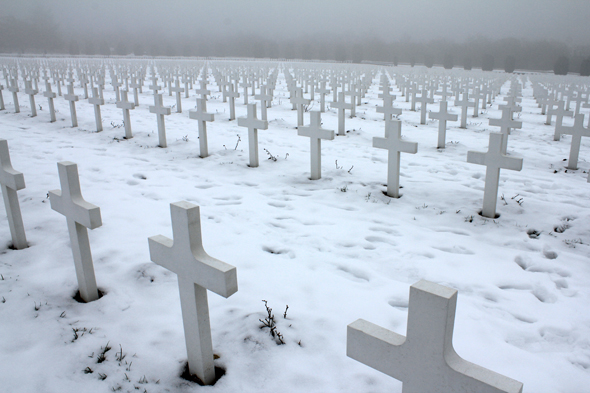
(333, 250)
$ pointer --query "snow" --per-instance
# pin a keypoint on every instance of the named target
(333, 250)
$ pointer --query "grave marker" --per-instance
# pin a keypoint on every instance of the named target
(577, 131)
(96, 101)
(1, 98)
(30, 91)
(72, 98)
(424, 100)
(394, 146)
(12, 181)
(494, 160)
(197, 272)
(178, 89)
(559, 113)
(265, 99)
(126, 106)
(505, 123)
(424, 360)
(160, 112)
(442, 116)
(203, 117)
(341, 105)
(253, 125)
(50, 96)
(14, 89)
(316, 133)
(232, 101)
(299, 101)
(80, 215)
(464, 104)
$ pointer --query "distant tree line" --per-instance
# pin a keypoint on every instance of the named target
(40, 34)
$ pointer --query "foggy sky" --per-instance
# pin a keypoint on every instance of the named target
(388, 20)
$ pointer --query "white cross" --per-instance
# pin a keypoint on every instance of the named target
(80, 215)
(424, 100)
(394, 146)
(265, 100)
(299, 101)
(136, 86)
(577, 131)
(316, 133)
(494, 160)
(232, 101)
(96, 101)
(72, 98)
(160, 112)
(126, 106)
(559, 113)
(14, 89)
(322, 91)
(505, 123)
(253, 125)
(116, 84)
(177, 89)
(341, 105)
(197, 272)
(387, 109)
(12, 181)
(424, 360)
(464, 104)
(245, 85)
(31, 93)
(442, 116)
(203, 117)
(154, 86)
(50, 96)
(1, 98)
(202, 90)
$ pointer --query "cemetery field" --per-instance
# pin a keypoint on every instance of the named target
(333, 250)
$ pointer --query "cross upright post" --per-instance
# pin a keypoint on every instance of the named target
(136, 86)
(30, 91)
(50, 96)
(203, 117)
(178, 89)
(96, 101)
(299, 101)
(464, 104)
(72, 98)
(14, 89)
(322, 91)
(264, 98)
(12, 181)
(424, 100)
(197, 272)
(126, 106)
(394, 146)
(232, 94)
(424, 360)
(202, 90)
(577, 131)
(253, 124)
(316, 133)
(559, 113)
(80, 215)
(341, 105)
(442, 116)
(2, 107)
(505, 123)
(160, 112)
(494, 160)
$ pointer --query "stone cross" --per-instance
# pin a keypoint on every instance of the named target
(154, 86)
(322, 91)
(299, 101)
(203, 117)
(1, 98)
(96, 101)
(80, 215)
(559, 113)
(265, 99)
(197, 272)
(202, 90)
(50, 96)
(424, 360)
(177, 89)
(136, 86)
(464, 104)
(577, 131)
(126, 106)
(394, 146)
(253, 125)
(30, 91)
(116, 84)
(505, 123)
(14, 89)
(160, 112)
(341, 105)
(442, 116)
(12, 181)
(494, 160)
(72, 98)
(424, 100)
(245, 85)
(232, 94)
(316, 133)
